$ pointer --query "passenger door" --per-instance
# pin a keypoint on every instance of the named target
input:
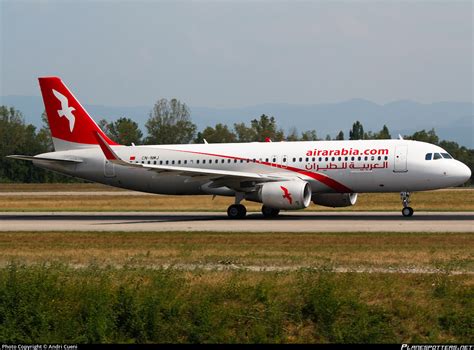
(400, 161)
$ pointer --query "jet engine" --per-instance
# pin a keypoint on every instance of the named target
(285, 194)
(335, 199)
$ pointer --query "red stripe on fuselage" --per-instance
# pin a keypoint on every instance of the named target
(317, 176)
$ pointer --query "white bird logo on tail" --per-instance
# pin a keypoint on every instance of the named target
(65, 110)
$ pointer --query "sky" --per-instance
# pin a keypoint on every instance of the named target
(240, 53)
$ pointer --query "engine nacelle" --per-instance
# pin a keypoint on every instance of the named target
(335, 199)
(286, 194)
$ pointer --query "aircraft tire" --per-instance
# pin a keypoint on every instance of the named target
(270, 212)
(236, 211)
(407, 211)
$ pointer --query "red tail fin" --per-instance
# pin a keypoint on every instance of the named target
(70, 124)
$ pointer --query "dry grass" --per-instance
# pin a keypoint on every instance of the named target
(442, 200)
(352, 250)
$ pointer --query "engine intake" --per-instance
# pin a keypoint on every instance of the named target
(335, 200)
(286, 194)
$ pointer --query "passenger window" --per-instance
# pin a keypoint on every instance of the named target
(333, 159)
(386, 157)
(428, 156)
(172, 162)
(228, 160)
(235, 160)
(274, 160)
(320, 159)
(326, 159)
(154, 162)
(346, 158)
(313, 159)
(446, 156)
(359, 158)
(380, 158)
(167, 162)
(294, 160)
(185, 162)
(352, 158)
(284, 160)
(307, 159)
(339, 159)
(161, 162)
(437, 156)
(179, 162)
(301, 159)
(222, 161)
(366, 158)
(197, 161)
(266, 160)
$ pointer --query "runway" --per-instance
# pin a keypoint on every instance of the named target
(254, 222)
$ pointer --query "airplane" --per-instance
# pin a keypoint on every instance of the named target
(280, 175)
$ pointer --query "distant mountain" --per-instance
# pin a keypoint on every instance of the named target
(452, 120)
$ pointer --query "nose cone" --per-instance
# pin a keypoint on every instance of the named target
(460, 173)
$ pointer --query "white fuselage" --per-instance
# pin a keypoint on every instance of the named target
(350, 166)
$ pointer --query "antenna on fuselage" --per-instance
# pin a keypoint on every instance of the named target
(205, 141)
(400, 137)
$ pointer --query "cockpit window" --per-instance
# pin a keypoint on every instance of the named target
(428, 156)
(446, 156)
(437, 156)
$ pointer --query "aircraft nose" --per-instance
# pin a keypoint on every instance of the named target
(460, 172)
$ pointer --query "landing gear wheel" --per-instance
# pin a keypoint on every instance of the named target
(270, 212)
(407, 211)
(236, 211)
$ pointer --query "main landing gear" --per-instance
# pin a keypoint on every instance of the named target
(407, 210)
(237, 210)
(270, 212)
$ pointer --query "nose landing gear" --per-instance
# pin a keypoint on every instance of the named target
(407, 210)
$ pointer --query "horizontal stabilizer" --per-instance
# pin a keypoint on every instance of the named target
(31, 158)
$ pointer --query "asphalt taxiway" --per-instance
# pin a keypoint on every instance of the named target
(254, 222)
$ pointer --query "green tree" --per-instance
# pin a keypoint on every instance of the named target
(357, 131)
(425, 136)
(266, 127)
(219, 134)
(309, 135)
(383, 134)
(124, 131)
(245, 133)
(170, 123)
(44, 134)
(292, 135)
(340, 135)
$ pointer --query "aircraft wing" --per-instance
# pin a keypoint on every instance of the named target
(197, 173)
